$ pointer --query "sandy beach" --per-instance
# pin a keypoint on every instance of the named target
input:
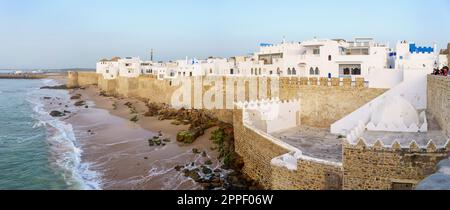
(119, 150)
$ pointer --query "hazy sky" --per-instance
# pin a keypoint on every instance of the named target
(77, 33)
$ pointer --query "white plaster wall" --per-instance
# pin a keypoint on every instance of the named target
(384, 78)
(273, 116)
(134, 70)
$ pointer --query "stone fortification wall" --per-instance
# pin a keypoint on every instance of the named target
(388, 167)
(439, 100)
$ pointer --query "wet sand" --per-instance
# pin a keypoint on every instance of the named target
(118, 149)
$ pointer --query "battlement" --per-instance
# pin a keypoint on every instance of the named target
(271, 115)
(295, 82)
(419, 49)
(396, 146)
(257, 104)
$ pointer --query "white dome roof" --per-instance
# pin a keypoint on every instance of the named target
(395, 110)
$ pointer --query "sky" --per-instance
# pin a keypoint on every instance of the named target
(77, 33)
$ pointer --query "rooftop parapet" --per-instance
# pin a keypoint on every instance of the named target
(396, 146)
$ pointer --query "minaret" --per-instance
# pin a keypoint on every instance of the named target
(151, 55)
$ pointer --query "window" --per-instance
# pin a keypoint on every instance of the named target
(210, 71)
(356, 71)
(252, 71)
(107, 71)
(349, 69)
(317, 72)
(316, 51)
(294, 72)
(346, 71)
(289, 71)
(329, 57)
(311, 71)
(259, 71)
(231, 71)
(190, 74)
(128, 64)
(271, 72)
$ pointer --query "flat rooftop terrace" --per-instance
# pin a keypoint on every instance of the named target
(320, 143)
(313, 142)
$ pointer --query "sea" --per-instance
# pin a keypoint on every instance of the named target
(37, 151)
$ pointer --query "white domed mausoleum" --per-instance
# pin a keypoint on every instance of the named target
(396, 114)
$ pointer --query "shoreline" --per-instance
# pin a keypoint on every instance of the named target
(118, 148)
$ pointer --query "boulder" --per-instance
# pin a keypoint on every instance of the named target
(76, 97)
(178, 168)
(206, 170)
(57, 114)
(208, 162)
(80, 103)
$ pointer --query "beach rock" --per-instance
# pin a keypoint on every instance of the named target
(67, 112)
(195, 151)
(56, 114)
(217, 171)
(193, 175)
(204, 154)
(206, 170)
(80, 103)
(145, 158)
(58, 87)
(166, 140)
(188, 137)
(178, 168)
(47, 98)
(175, 122)
(76, 97)
(86, 106)
(134, 119)
(208, 162)
(151, 143)
(128, 104)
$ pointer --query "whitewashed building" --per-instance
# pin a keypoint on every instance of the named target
(130, 67)
(410, 56)
(108, 68)
(362, 57)
(320, 58)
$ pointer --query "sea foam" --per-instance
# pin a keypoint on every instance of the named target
(64, 148)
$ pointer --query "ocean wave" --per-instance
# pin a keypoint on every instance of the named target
(65, 152)
(50, 82)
